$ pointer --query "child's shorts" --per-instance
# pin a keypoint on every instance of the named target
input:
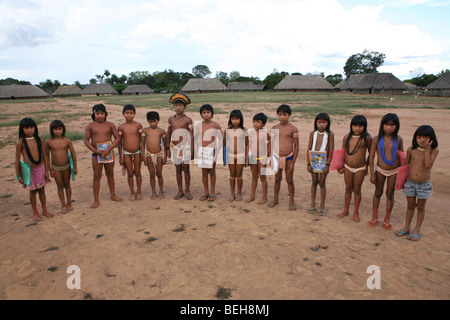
(422, 190)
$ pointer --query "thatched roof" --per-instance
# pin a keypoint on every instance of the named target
(245, 86)
(196, 84)
(307, 82)
(21, 91)
(442, 83)
(67, 90)
(374, 81)
(99, 89)
(138, 88)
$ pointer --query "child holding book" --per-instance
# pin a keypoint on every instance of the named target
(58, 150)
(97, 138)
(30, 149)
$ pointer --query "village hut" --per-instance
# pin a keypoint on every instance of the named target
(137, 89)
(440, 87)
(246, 86)
(67, 91)
(304, 83)
(197, 85)
(374, 83)
(98, 90)
(17, 91)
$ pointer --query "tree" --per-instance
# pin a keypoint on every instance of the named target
(423, 80)
(200, 71)
(334, 79)
(49, 86)
(274, 78)
(8, 81)
(440, 74)
(366, 62)
(234, 75)
(223, 77)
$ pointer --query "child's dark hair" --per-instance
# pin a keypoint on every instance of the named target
(390, 117)
(236, 114)
(57, 124)
(128, 107)
(260, 116)
(25, 123)
(207, 107)
(152, 115)
(427, 131)
(98, 107)
(284, 108)
(323, 116)
(357, 120)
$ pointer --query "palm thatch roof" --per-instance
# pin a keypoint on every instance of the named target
(376, 81)
(67, 91)
(304, 82)
(245, 86)
(204, 85)
(441, 83)
(138, 89)
(21, 91)
(98, 89)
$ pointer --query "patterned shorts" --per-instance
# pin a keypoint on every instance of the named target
(422, 190)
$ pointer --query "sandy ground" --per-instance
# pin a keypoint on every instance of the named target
(168, 249)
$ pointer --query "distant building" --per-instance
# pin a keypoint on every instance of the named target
(374, 83)
(440, 87)
(246, 86)
(197, 85)
(67, 91)
(137, 89)
(98, 90)
(304, 83)
(18, 91)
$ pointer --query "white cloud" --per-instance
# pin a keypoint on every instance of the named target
(252, 37)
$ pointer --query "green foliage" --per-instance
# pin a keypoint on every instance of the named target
(334, 79)
(200, 71)
(366, 62)
(49, 86)
(274, 78)
(423, 80)
(9, 81)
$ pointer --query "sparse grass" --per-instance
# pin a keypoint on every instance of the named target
(72, 135)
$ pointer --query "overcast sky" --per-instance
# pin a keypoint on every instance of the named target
(75, 40)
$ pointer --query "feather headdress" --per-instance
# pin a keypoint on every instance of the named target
(180, 97)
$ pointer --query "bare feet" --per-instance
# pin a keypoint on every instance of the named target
(95, 204)
(250, 199)
(132, 197)
(272, 203)
(153, 197)
(63, 210)
(47, 214)
(343, 214)
(116, 198)
(239, 197)
(292, 206)
(139, 196)
(232, 197)
(36, 217)
(262, 201)
(356, 216)
(161, 195)
(69, 208)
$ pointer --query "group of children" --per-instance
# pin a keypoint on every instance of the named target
(266, 152)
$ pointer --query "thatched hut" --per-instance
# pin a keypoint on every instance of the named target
(306, 83)
(246, 86)
(374, 83)
(67, 91)
(137, 89)
(197, 85)
(440, 87)
(18, 91)
(98, 90)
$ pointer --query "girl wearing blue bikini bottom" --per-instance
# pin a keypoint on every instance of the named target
(385, 146)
